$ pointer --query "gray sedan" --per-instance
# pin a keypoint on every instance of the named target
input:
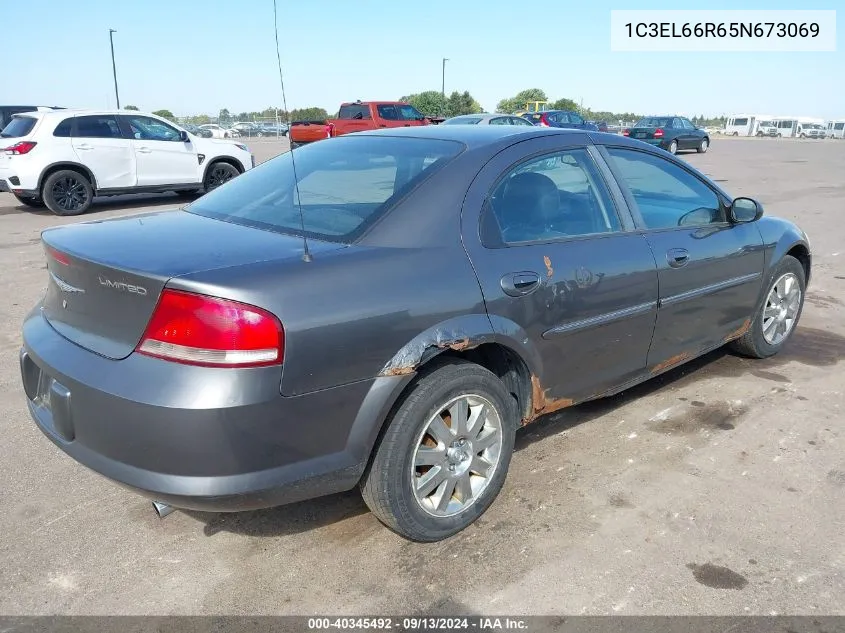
(386, 312)
(487, 119)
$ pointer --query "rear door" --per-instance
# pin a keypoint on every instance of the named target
(161, 157)
(101, 146)
(560, 265)
(710, 270)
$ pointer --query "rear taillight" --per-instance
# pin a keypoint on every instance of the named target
(58, 256)
(24, 147)
(626, 132)
(658, 133)
(329, 130)
(201, 330)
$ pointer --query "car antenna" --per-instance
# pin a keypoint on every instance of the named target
(306, 254)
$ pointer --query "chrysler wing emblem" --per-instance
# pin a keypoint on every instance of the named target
(64, 286)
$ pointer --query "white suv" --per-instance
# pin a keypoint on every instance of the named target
(63, 158)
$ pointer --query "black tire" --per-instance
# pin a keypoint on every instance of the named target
(753, 343)
(30, 201)
(673, 147)
(703, 145)
(67, 192)
(386, 486)
(218, 174)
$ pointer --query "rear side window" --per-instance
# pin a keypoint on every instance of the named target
(343, 186)
(97, 127)
(18, 126)
(354, 111)
(63, 129)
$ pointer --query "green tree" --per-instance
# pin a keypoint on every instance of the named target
(308, 114)
(565, 104)
(131, 107)
(518, 101)
(165, 114)
(430, 103)
(462, 103)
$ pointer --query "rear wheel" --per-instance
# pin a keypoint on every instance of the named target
(702, 147)
(31, 201)
(219, 174)
(778, 315)
(673, 147)
(445, 454)
(67, 192)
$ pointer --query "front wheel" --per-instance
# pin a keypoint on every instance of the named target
(67, 192)
(30, 201)
(218, 174)
(445, 454)
(778, 315)
(702, 147)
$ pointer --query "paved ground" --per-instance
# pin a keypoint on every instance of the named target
(718, 489)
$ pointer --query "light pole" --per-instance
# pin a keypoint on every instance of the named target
(443, 87)
(114, 67)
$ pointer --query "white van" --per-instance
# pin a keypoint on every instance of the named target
(740, 125)
(836, 129)
(786, 127)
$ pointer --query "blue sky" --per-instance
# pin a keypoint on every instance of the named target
(197, 56)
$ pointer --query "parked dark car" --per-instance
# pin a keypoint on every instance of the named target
(560, 118)
(435, 288)
(197, 131)
(671, 133)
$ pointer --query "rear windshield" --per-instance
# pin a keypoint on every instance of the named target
(18, 126)
(463, 120)
(654, 122)
(344, 185)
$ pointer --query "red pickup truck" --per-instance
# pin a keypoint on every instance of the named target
(357, 117)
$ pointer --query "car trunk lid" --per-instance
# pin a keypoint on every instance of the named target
(105, 278)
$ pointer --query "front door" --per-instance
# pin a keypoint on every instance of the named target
(101, 146)
(561, 271)
(161, 156)
(710, 271)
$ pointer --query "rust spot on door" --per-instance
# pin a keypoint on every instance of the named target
(746, 325)
(541, 403)
(670, 362)
(548, 263)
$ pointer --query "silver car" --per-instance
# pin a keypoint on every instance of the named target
(486, 118)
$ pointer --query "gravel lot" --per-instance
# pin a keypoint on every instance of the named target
(716, 489)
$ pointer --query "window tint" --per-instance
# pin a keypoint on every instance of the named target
(18, 126)
(555, 196)
(574, 118)
(785, 124)
(839, 126)
(354, 111)
(409, 113)
(519, 121)
(388, 112)
(742, 121)
(652, 121)
(687, 124)
(343, 186)
(149, 129)
(63, 129)
(499, 120)
(666, 194)
(97, 127)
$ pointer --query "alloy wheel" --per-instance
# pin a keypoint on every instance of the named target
(781, 309)
(69, 193)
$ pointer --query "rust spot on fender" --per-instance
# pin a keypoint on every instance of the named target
(548, 263)
(670, 362)
(541, 403)
(398, 371)
(746, 325)
(458, 346)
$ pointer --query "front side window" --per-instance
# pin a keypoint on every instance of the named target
(342, 186)
(97, 127)
(409, 113)
(148, 129)
(554, 196)
(666, 194)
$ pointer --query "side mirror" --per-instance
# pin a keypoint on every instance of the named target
(183, 136)
(743, 210)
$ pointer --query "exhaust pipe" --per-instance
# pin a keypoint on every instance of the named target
(162, 509)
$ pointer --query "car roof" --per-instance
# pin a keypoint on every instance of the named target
(474, 136)
(45, 114)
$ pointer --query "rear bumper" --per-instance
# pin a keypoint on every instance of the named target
(198, 438)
